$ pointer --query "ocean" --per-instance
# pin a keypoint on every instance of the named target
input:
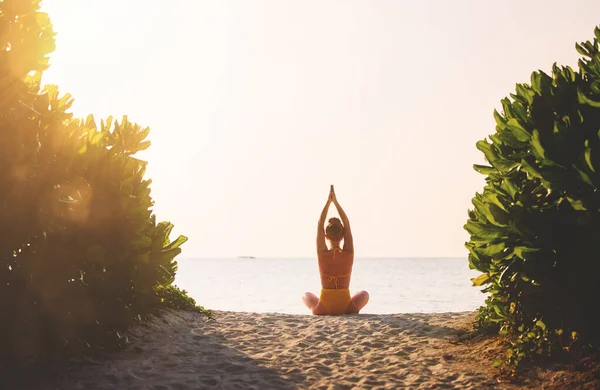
(395, 285)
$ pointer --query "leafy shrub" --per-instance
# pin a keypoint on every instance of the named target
(81, 254)
(534, 228)
(175, 298)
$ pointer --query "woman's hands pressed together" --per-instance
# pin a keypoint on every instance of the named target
(332, 197)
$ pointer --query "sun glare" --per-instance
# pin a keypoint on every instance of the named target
(256, 108)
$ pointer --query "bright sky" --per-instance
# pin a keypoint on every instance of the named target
(256, 107)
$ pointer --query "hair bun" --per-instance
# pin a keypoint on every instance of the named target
(334, 221)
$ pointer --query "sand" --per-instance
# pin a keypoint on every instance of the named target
(184, 350)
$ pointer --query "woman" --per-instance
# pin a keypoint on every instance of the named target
(335, 266)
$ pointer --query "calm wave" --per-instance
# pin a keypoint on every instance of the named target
(396, 285)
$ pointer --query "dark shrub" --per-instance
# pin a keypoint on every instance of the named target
(535, 228)
(81, 256)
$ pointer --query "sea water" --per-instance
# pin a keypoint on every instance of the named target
(395, 285)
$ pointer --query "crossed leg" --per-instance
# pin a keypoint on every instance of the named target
(359, 300)
(312, 302)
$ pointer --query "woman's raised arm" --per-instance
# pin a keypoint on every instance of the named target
(321, 245)
(348, 241)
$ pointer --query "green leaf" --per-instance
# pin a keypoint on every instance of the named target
(65, 102)
(530, 169)
(525, 92)
(570, 74)
(584, 176)
(540, 325)
(576, 204)
(105, 126)
(588, 157)
(492, 250)
(581, 50)
(486, 232)
(506, 166)
(177, 243)
(484, 169)
(168, 254)
(518, 131)
(493, 198)
(143, 133)
(541, 82)
(500, 121)
(537, 146)
(95, 138)
(487, 149)
(510, 188)
(90, 122)
(491, 155)
(520, 111)
(499, 217)
(500, 309)
(480, 280)
(507, 138)
(521, 251)
(583, 99)
(143, 145)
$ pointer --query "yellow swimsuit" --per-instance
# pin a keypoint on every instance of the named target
(335, 300)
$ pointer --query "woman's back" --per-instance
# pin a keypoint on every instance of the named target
(335, 268)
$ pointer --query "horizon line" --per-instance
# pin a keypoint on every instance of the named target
(250, 257)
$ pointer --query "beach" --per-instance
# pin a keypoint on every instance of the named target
(395, 284)
(236, 350)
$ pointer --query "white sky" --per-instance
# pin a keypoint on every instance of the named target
(256, 107)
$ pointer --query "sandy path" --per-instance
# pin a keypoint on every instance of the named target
(184, 350)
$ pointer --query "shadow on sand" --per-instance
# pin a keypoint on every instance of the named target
(168, 354)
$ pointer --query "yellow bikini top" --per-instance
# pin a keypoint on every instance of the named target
(337, 250)
(335, 279)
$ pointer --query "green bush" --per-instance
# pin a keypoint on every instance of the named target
(81, 255)
(175, 298)
(534, 228)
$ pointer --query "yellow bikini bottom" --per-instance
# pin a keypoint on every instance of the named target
(335, 301)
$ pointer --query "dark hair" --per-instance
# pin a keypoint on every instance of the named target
(334, 229)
